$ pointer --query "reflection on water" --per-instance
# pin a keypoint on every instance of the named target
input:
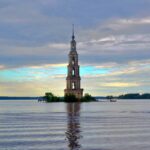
(73, 130)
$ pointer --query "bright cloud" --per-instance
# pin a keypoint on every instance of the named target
(120, 84)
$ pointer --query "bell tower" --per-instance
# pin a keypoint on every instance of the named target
(73, 78)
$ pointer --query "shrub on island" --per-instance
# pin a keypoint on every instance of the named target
(88, 98)
(50, 97)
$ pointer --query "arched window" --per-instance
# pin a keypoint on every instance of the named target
(73, 61)
(73, 85)
(73, 72)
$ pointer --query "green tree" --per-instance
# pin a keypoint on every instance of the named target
(87, 98)
(50, 97)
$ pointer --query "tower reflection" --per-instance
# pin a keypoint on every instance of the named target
(73, 127)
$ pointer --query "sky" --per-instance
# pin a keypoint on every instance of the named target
(113, 43)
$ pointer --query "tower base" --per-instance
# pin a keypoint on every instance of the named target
(78, 93)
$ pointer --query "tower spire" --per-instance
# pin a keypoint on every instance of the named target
(73, 42)
(73, 37)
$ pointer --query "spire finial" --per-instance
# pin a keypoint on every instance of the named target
(73, 32)
(72, 29)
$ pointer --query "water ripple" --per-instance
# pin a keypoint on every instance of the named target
(93, 126)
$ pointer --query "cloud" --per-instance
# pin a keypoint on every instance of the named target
(30, 88)
(2, 67)
(116, 40)
(119, 84)
(124, 23)
(48, 65)
(113, 40)
(59, 46)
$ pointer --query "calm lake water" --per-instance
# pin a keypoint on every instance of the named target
(29, 125)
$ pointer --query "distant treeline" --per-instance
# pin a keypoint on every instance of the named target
(134, 96)
(16, 98)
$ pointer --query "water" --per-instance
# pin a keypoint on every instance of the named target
(29, 125)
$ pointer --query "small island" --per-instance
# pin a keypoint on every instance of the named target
(68, 98)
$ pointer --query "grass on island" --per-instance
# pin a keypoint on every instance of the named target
(50, 97)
